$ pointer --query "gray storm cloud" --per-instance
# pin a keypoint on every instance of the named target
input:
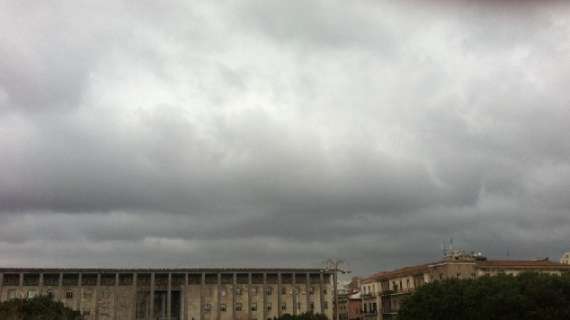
(281, 133)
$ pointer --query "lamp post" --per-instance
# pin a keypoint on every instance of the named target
(335, 265)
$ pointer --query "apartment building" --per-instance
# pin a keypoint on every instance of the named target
(176, 294)
(389, 289)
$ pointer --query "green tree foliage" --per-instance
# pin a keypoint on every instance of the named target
(38, 308)
(529, 296)
(303, 316)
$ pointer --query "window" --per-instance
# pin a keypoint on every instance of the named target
(50, 294)
(254, 290)
(207, 307)
(238, 291)
(312, 306)
(254, 306)
(238, 306)
(283, 290)
(283, 306)
(269, 291)
(311, 290)
(324, 291)
(223, 307)
(299, 305)
(69, 294)
(325, 305)
(269, 306)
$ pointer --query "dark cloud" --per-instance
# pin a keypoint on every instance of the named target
(273, 133)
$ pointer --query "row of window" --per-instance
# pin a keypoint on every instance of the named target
(269, 291)
(239, 307)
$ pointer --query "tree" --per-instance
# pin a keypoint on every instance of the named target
(529, 296)
(38, 308)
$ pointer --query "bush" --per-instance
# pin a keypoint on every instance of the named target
(529, 296)
(38, 308)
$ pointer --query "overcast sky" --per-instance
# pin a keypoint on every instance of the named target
(281, 133)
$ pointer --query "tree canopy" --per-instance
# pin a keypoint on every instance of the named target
(37, 308)
(529, 296)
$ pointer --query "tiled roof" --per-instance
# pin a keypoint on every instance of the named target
(405, 271)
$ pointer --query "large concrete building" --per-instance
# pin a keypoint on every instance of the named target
(384, 292)
(176, 294)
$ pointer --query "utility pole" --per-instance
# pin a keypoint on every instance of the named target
(335, 265)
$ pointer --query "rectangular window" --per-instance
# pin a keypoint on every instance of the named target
(207, 307)
(325, 291)
(254, 291)
(223, 307)
(269, 306)
(69, 294)
(325, 305)
(254, 306)
(238, 306)
(283, 290)
(311, 290)
(238, 291)
(268, 290)
(312, 306)
(283, 306)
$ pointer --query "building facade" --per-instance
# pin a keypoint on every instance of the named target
(389, 289)
(176, 294)
(350, 301)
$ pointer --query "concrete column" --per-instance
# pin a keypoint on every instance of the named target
(202, 302)
(79, 280)
(95, 294)
(116, 296)
(234, 283)
(136, 291)
(249, 296)
(169, 297)
(279, 298)
(321, 295)
(308, 295)
(219, 297)
(184, 297)
(152, 275)
(40, 284)
(2, 285)
(60, 285)
(264, 297)
(295, 293)
(21, 280)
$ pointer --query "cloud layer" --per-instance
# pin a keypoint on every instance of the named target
(282, 133)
